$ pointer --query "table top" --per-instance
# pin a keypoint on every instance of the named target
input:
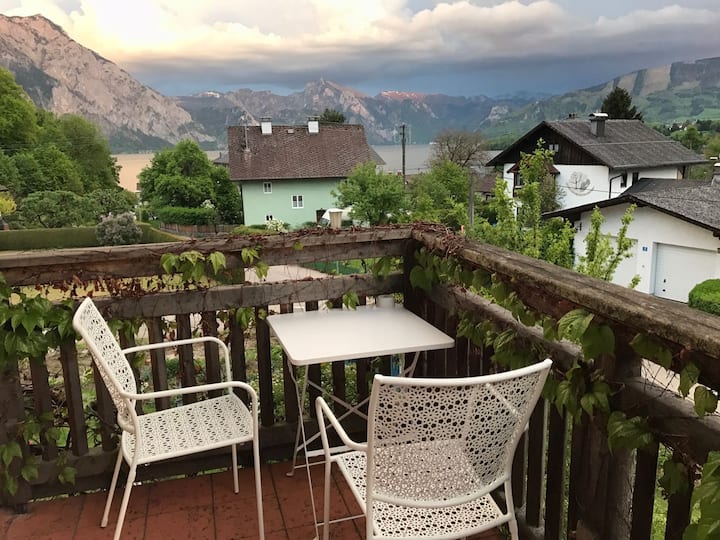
(313, 337)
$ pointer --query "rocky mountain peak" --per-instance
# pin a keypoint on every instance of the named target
(62, 76)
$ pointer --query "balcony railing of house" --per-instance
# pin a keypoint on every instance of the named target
(567, 483)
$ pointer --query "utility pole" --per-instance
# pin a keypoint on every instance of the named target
(402, 127)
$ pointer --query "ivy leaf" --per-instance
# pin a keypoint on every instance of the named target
(10, 484)
(350, 300)
(652, 349)
(261, 270)
(705, 400)
(29, 472)
(419, 279)
(628, 433)
(573, 324)
(688, 377)
(10, 451)
(550, 329)
(217, 261)
(674, 479)
(596, 340)
(481, 279)
(297, 246)
(168, 261)
(67, 475)
(499, 291)
(244, 316)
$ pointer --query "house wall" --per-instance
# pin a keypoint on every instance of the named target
(315, 193)
(655, 232)
(586, 184)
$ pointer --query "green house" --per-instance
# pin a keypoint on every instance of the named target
(288, 172)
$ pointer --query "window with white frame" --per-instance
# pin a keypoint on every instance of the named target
(267, 187)
(268, 217)
(297, 201)
(555, 147)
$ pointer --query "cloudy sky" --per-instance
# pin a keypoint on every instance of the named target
(466, 47)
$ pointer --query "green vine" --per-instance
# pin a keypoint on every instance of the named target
(29, 327)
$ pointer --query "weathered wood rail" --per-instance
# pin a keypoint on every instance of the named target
(558, 461)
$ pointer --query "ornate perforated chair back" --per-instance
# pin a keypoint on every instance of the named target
(474, 423)
(111, 363)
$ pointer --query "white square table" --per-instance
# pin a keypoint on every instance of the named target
(316, 337)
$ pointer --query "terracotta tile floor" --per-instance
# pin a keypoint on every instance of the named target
(203, 507)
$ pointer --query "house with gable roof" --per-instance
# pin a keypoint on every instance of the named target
(598, 158)
(288, 172)
(675, 232)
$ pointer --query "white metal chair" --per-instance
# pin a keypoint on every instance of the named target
(436, 449)
(196, 427)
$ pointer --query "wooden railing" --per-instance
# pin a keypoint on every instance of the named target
(566, 482)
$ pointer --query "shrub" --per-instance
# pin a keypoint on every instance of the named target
(705, 296)
(118, 230)
(181, 215)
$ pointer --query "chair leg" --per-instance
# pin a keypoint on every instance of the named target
(512, 524)
(326, 500)
(125, 500)
(258, 488)
(113, 485)
(235, 467)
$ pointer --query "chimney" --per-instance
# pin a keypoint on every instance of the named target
(313, 124)
(597, 123)
(266, 126)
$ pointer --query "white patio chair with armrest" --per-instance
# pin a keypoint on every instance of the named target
(436, 449)
(208, 424)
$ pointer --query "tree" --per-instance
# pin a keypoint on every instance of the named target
(712, 148)
(519, 227)
(332, 116)
(602, 254)
(690, 138)
(18, 124)
(52, 209)
(179, 176)
(59, 172)
(374, 195)
(618, 104)
(29, 173)
(9, 175)
(85, 144)
(227, 197)
(113, 201)
(440, 195)
(535, 167)
(464, 148)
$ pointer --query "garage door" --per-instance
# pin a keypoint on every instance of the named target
(678, 269)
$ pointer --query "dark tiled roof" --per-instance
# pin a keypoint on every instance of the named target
(292, 152)
(694, 201)
(627, 144)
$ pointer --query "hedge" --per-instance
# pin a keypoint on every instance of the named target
(69, 237)
(705, 296)
(186, 216)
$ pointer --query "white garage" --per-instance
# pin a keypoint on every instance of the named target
(678, 269)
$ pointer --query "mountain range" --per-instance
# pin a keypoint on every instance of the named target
(62, 76)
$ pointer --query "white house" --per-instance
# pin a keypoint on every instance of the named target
(598, 159)
(676, 230)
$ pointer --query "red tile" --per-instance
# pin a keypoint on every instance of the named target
(193, 523)
(94, 505)
(173, 495)
(56, 519)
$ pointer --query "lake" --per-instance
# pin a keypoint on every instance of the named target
(416, 157)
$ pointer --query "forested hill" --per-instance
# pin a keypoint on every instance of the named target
(664, 95)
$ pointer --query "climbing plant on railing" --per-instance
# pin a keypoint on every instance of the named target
(29, 327)
(582, 389)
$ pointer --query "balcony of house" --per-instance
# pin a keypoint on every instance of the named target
(587, 467)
